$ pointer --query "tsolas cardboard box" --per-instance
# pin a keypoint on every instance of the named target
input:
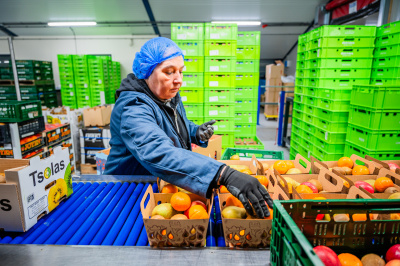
(33, 188)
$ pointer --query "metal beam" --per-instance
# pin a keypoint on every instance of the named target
(151, 16)
(7, 31)
(384, 12)
(294, 45)
(14, 68)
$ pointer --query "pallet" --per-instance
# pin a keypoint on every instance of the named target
(6, 82)
(32, 82)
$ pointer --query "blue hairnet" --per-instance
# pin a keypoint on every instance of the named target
(152, 53)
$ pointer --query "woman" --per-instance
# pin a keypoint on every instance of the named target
(152, 135)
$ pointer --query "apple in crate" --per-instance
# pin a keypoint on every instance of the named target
(365, 186)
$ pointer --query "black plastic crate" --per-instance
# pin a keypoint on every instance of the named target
(31, 127)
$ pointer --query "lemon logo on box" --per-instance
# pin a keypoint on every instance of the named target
(47, 173)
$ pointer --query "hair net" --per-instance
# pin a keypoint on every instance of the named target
(152, 53)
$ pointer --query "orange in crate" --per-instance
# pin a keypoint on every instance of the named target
(382, 183)
(181, 201)
(281, 167)
(360, 170)
(197, 212)
(262, 179)
(347, 259)
(345, 162)
(169, 188)
(233, 201)
(289, 164)
(223, 189)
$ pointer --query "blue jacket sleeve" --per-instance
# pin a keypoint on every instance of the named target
(192, 129)
(152, 147)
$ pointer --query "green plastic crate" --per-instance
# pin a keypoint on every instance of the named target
(15, 111)
(298, 123)
(295, 137)
(343, 31)
(31, 89)
(187, 31)
(341, 53)
(326, 155)
(247, 65)
(334, 94)
(340, 127)
(385, 82)
(8, 97)
(247, 79)
(304, 152)
(245, 117)
(197, 120)
(299, 107)
(330, 137)
(385, 62)
(246, 92)
(310, 91)
(302, 73)
(329, 115)
(220, 48)
(300, 81)
(302, 56)
(309, 119)
(219, 110)
(7, 89)
(297, 114)
(309, 100)
(192, 80)
(249, 143)
(301, 64)
(191, 48)
(390, 28)
(328, 147)
(30, 97)
(307, 144)
(245, 130)
(308, 136)
(297, 130)
(339, 63)
(189, 95)
(387, 40)
(333, 105)
(249, 105)
(336, 42)
(376, 97)
(295, 144)
(248, 153)
(303, 38)
(309, 109)
(228, 140)
(223, 80)
(248, 37)
(298, 98)
(194, 110)
(378, 140)
(27, 63)
(393, 50)
(374, 119)
(308, 128)
(339, 73)
(336, 83)
(194, 64)
(220, 64)
(385, 73)
(248, 52)
(293, 153)
(352, 148)
(221, 31)
(221, 124)
(219, 95)
(302, 47)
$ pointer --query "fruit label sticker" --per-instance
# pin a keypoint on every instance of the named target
(184, 98)
(361, 139)
(71, 93)
(213, 83)
(214, 52)
(214, 68)
(181, 36)
(213, 112)
(213, 99)
(85, 85)
(326, 136)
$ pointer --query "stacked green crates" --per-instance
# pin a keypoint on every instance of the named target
(374, 122)
(246, 88)
(219, 79)
(115, 81)
(99, 72)
(6, 71)
(386, 64)
(81, 79)
(190, 38)
(331, 59)
(67, 82)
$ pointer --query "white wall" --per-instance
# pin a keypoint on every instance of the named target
(122, 49)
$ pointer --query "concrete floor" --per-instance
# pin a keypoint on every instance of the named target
(267, 132)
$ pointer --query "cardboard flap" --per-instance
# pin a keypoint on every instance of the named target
(395, 177)
(285, 186)
(379, 163)
(316, 165)
(369, 164)
(280, 194)
(359, 193)
(254, 166)
(332, 181)
(146, 211)
(272, 180)
(297, 164)
(260, 167)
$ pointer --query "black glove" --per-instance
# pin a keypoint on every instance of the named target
(205, 131)
(247, 188)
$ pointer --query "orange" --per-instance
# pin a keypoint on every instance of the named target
(223, 189)
(360, 170)
(262, 179)
(271, 214)
(169, 188)
(233, 201)
(281, 167)
(246, 171)
(382, 183)
(197, 212)
(360, 217)
(304, 189)
(345, 162)
(290, 164)
(347, 259)
(181, 201)
(346, 184)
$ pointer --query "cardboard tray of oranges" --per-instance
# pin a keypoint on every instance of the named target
(168, 227)
(299, 165)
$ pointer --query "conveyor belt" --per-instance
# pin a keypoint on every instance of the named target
(101, 214)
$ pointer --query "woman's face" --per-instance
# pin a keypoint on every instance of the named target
(166, 78)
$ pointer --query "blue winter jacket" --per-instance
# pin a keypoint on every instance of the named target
(143, 141)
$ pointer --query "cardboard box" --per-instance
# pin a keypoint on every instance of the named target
(173, 233)
(88, 169)
(97, 116)
(271, 110)
(95, 137)
(55, 134)
(88, 155)
(33, 189)
(273, 82)
(213, 150)
(272, 96)
(101, 160)
(316, 165)
(274, 71)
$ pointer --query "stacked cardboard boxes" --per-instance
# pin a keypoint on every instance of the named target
(273, 86)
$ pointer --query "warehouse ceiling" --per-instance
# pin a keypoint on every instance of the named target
(286, 19)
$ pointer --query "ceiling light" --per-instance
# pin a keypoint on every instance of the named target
(241, 23)
(71, 24)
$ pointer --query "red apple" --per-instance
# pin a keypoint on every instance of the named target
(312, 186)
(195, 202)
(393, 167)
(365, 186)
(320, 217)
(327, 256)
(393, 253)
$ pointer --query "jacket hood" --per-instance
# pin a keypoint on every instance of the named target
(132, 83)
